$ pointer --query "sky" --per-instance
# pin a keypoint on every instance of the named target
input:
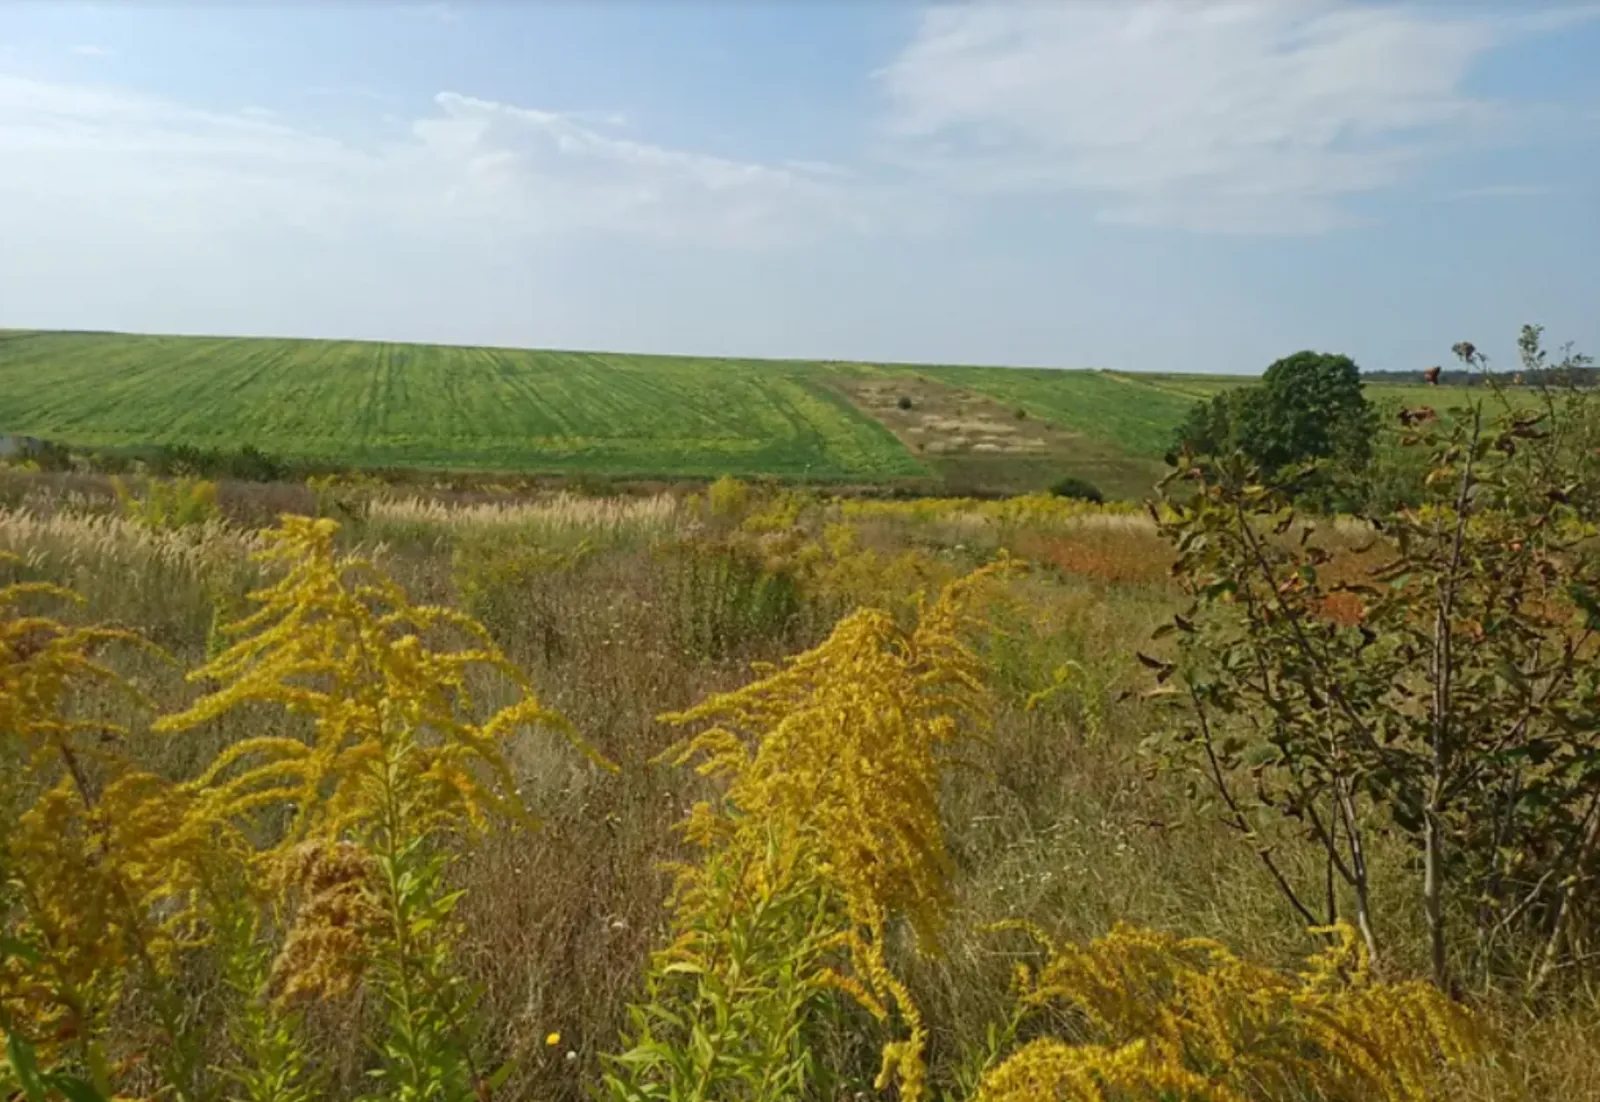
(1181, 186)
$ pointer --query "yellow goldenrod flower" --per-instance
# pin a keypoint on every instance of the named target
(831, 765)
(335, 640)
(102, 863)
(1184, 1018)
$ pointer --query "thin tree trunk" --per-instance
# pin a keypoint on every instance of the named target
(1550, 959)
(1439, 734)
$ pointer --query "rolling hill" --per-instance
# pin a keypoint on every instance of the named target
(546, 411)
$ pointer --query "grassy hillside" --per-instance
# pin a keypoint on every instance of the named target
(424, 405)
(407, 405)
(1129, 411)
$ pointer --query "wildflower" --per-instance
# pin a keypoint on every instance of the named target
(1175, 1017)
(336, 640)
(551, 1040)
(103, 863)
(832, 765)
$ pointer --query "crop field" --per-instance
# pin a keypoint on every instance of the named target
(369, 404)
(433, 406)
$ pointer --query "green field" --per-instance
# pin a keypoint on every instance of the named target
(496, 409)
(447, 407)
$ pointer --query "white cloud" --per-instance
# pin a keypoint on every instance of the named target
(146, 165)
(90, 50)
(551, 171)
(1234, 116)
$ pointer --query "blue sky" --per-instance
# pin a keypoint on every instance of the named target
(1164, 186)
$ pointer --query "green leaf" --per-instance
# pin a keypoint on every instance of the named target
(21, 1056)
(1151, 663)
(1508, 672)
(13, 947)
(75, 1089)
(497, 1078)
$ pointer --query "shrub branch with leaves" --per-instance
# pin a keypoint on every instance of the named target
(1455, 710)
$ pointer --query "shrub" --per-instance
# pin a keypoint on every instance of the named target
(1308, 406)
(245, 464)
(903, 402)
(344, 497)
(168, 504)
(49, 455)
(592, 484)
(499, 579)
(250, 464)
(1077, 489)
(109, 462)
(178, 460)
(1454, 704)
(728, 498)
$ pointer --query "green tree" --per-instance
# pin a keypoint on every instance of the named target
(1307, 406)
(1210, 426)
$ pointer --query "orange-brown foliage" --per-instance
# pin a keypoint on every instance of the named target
(1125, 556)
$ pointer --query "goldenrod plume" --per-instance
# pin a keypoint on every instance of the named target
(334, 640)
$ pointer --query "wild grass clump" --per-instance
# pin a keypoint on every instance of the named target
(563, 520)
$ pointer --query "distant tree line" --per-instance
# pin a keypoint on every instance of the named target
(1573, 376)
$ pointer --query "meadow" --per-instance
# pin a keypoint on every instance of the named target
(937, 853)
(949, 429)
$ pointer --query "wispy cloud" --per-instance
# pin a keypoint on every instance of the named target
(552, 171)
(1232, 117)
(511, 170)
(90, 50)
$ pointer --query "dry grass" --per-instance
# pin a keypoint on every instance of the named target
(561, 517)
